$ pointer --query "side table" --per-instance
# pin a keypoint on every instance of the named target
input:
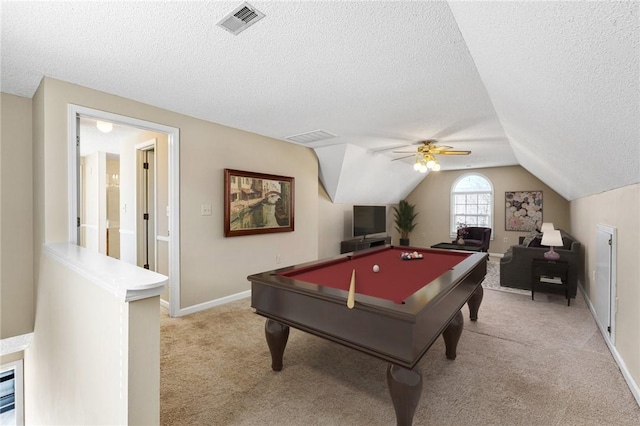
(549, 274)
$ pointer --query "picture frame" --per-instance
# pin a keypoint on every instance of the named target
(523, 210)
(257, 203)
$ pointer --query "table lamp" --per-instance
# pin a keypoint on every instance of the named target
(546, 226)
(552, 239)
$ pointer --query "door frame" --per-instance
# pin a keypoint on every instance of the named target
(173, 134)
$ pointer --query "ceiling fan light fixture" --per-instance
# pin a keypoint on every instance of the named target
(426, 156)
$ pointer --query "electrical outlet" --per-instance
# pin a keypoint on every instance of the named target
(506, 239)
(278, 258)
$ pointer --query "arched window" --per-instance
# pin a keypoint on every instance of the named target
(471, 202)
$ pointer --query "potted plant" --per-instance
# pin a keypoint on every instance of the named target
(404, 217)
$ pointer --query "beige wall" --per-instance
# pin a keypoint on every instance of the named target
(432, 200)
(212, 266)
(619, 208)
(334, 224)
(16, 220)
(144, 362)
(94, 358)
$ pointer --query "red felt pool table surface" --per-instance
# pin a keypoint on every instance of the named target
(396, 280)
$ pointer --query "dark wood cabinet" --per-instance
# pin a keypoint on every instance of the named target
(358, 244)
(550, 276)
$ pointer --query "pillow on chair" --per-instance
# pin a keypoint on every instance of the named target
(533, 235)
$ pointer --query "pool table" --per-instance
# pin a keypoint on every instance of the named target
(399, 311)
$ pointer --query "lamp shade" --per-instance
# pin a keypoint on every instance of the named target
(552, 238)
(546, 226)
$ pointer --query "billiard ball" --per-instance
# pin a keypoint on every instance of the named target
(376, 268)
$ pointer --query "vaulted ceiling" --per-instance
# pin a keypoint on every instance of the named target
(552, 86)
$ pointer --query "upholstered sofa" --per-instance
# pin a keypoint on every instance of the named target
(515, 266)
(476, 236)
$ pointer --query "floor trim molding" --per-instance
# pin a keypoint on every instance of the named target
(633, 386)
(212, 303)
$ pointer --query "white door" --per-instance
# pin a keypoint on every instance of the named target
(603, 295)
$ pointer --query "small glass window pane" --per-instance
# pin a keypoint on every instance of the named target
(484, 198)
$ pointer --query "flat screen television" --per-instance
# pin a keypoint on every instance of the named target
(369, 220)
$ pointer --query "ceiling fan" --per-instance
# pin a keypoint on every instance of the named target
(425, 155)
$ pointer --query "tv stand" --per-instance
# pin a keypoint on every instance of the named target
(363, 243)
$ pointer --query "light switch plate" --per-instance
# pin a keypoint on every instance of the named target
(205, 210)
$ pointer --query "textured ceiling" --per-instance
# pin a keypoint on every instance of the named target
(552, 86)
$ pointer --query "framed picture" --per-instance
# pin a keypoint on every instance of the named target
(257, 203)
(523, 210)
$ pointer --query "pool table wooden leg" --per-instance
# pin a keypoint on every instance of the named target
(474, 303)
(277, 335)
(405, 387)
(452, 334)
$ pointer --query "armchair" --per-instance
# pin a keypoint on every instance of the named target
(477, 236)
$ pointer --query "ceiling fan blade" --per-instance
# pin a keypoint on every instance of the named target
(437, 149)
(400, 158)
(396, 146)
(404, 152)
(453, 153)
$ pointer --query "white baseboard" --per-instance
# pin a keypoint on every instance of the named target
(212, 303)
(164, 303)
(633, 386)
(500, 255)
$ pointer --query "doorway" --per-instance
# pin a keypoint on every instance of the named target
(128, 228)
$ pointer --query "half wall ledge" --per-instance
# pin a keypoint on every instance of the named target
(124, 280)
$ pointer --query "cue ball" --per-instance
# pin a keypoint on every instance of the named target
(376, 268)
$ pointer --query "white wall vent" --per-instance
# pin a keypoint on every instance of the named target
(241, 18)
(312, 136)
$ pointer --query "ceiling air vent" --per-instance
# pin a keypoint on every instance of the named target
(241, 18)
(308, 137)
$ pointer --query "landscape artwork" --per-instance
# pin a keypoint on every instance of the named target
(523, 210)
(257, 203)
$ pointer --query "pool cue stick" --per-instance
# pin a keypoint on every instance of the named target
(352, 291)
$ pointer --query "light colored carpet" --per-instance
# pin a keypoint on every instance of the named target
(523, 362)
